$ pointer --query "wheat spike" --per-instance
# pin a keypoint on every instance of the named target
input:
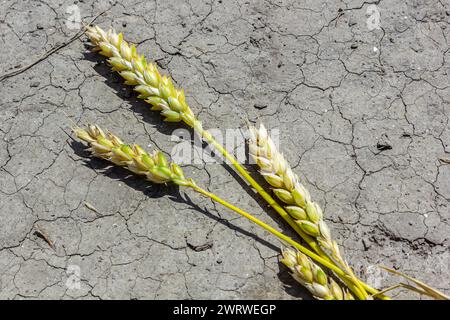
(156, 89)
(312, 277)
(287, 187)
(154, 166)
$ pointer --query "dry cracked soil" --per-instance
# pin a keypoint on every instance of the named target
(359, 91)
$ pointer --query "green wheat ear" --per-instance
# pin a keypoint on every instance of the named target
(312, 277)
(156, 89)
(287, 187)
(154, 166)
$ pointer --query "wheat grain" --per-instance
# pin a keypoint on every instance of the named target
(312, 277)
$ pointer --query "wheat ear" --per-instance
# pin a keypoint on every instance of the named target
(154, 166)
(312, 277)
(156, 89)
(157, 169)
(287, 187)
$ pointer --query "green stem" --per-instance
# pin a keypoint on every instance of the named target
(281, 236)
(279, 209)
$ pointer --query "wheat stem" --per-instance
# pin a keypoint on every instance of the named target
(278, 234)
(266, 196)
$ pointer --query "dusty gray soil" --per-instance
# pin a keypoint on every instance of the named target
(363, 117)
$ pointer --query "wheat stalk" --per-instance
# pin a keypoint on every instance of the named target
(312, 277)
(159, 91)
(420, 287)
(287, 187)
(157, 169)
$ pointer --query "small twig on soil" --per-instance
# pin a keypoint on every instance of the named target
(91, 207)
(49, 52)
(43, 235)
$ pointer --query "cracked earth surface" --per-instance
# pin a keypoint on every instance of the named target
(363, 116)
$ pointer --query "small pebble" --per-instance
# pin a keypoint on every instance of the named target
(260, 106)
(366, 243)
(34, 84)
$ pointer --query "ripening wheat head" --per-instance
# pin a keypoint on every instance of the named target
(312, 277)
(154, 166)
(287, 187)
(154, 88)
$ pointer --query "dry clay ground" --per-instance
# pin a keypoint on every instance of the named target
(363, 117)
